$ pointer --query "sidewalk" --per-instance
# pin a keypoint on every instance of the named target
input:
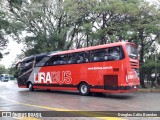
(149, 90)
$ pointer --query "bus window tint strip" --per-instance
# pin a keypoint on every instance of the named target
(105, 54)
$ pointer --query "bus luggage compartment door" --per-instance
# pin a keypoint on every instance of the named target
(110, 82)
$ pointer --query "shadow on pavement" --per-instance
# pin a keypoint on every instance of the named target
(99, 95)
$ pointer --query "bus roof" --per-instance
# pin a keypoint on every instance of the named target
(41, 55)
(93, 47)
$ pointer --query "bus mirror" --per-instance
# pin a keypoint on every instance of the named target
(16, 66)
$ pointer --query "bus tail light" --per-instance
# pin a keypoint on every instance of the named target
(126, 75)
(116, 69)
(126, 78)
(136, 72)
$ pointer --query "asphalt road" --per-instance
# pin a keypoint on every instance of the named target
(14, 99)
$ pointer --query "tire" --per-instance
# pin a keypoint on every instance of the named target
(30, 86)
(84, 89)
(48, 90)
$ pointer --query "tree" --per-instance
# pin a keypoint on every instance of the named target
(4, 26)
(147, 25)
(2, 69)
(44, 23)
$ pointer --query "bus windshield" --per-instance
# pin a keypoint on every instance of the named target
(132, 51)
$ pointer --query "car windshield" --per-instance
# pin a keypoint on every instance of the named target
(6, 77)
(132, 51)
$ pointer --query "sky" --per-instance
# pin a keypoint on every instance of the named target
(14, 49)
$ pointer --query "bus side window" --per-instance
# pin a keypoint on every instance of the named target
(72, 58)
(49, 63)
(82, 57)
(99, 55)
(114, 53)
(27, 65)
(86, 56)
(55, 60)
(41, 61)
(64, 59)
(59, 59)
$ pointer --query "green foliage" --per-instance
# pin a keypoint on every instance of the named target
(4, 25)
(11, 71)
(59, 25)
(2, 69)
(148, 66)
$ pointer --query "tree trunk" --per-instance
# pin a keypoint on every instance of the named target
(103, 38)
(87, 40)
(141, 58)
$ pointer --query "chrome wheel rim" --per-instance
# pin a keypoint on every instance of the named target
(84, 89)
(30, 85)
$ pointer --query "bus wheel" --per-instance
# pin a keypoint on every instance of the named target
(84, 89)
(31, 87)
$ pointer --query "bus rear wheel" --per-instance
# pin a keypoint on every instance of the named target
(84, 89)
(30, 86)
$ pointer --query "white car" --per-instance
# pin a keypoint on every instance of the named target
(4, 77)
